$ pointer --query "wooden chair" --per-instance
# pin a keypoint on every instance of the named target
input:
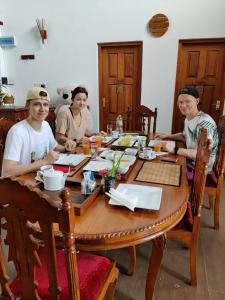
(188, 229)
(42, 271)
(140, 119)
(214, 181)
(5, 125)
(51, 118)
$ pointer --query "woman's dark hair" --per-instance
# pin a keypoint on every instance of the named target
(78, 90)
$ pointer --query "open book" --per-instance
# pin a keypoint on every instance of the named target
(70, 159)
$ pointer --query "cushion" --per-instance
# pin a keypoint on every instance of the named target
(187, 221)
(92, 272)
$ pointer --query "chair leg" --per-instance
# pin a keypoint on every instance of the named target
(217, 213)
(133, 260)
(193, 264)
(211, 201)
(112, 288)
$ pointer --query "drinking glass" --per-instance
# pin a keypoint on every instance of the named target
(86, 148)
(98, 140)
(94, 150)
(109, 129)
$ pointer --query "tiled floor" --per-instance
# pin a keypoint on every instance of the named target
(174, 275)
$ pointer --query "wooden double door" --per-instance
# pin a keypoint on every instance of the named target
(120, 67)
(201, 63)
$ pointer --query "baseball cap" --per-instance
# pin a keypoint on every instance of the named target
(38, 93)
(189, 90)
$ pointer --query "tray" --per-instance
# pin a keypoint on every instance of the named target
(79, 202)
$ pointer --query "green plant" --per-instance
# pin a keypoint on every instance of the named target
(111, 173)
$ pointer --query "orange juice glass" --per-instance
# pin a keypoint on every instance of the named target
(98, 141)
(86, 148)
(157, 147)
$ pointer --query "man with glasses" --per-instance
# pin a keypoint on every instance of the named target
(30, 143)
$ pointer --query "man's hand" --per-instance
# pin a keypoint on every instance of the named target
(70, 145)
(51, 157)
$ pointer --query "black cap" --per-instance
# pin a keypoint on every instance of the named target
(189, 90)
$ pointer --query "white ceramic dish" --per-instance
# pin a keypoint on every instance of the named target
(153, 156)
(98, 165)
(148, 197)
(154, 142)
(130, 151)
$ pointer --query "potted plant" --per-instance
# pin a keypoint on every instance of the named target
(5, 95)
(109, 176)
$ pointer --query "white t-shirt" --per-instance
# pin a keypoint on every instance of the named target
(26, 145)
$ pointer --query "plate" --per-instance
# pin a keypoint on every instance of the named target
(141, 155)
(161, 142)
(149, 197)
(98, 165)
(129, 159)
(106, 139)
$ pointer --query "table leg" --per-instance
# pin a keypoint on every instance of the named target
(154, 266)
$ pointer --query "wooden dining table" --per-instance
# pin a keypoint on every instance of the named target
(106, 227)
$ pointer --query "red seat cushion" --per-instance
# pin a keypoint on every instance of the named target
(92, 272)
(211, 180)
(187, 221)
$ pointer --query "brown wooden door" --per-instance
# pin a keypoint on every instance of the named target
(201, 64)
(119, 80)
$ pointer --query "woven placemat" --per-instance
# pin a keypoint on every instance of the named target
(162, 173)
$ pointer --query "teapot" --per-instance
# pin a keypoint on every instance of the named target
(53, 180)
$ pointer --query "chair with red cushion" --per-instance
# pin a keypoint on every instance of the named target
(43, 272)
(188, 229)
(141, 118)
(214, 181)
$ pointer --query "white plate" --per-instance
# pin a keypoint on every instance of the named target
(130, 151)
(141, 155)
(106, 139)
(117, 142)
(130, 159)
(70, 159)
(148, 197)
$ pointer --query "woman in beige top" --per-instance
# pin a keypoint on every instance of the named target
(72, 124)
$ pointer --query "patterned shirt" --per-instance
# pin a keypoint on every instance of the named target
(191, 132)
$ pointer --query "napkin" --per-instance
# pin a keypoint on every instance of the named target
(127, 200)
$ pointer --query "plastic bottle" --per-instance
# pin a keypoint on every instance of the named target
(119, 124)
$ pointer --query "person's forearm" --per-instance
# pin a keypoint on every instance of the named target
(17, 169)
(61, 138)
(176, 137)
(190, 153)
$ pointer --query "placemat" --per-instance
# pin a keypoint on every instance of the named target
(162, 173)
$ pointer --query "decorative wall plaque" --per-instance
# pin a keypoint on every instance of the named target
(158, 24)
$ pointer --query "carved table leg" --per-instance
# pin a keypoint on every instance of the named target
(154, 266)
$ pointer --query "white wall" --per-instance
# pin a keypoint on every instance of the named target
(74, 29)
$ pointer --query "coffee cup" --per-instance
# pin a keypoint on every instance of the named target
(53, 180)
(115, 134)
(147, 152)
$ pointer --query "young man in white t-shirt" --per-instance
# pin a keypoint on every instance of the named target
(30, 143)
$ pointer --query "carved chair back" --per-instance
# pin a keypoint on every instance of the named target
(141, 119)
(200, 173)
(22, 207)
(51, 118)
(219, 165)
(5, 125)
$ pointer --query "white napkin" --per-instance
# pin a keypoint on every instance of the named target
(127, 200)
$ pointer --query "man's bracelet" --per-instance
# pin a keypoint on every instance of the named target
(176, 150)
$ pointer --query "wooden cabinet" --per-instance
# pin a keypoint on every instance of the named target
(18, 113)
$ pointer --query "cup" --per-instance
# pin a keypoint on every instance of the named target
(157, 147)
(86, 148)
(94, 150)
(115, 134)
(98, 141)
(147, 152)
(109, 129)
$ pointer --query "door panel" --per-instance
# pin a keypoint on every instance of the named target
(119, 80)
(201, 64)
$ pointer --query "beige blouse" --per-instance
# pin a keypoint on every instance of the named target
(67, 125)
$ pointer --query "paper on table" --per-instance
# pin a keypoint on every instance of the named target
(70, 159)
(148, 197)
(153, 142)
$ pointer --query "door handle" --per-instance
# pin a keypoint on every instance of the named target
(103, 102)
(217, 104)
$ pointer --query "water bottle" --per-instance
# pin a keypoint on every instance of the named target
(119, 124)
